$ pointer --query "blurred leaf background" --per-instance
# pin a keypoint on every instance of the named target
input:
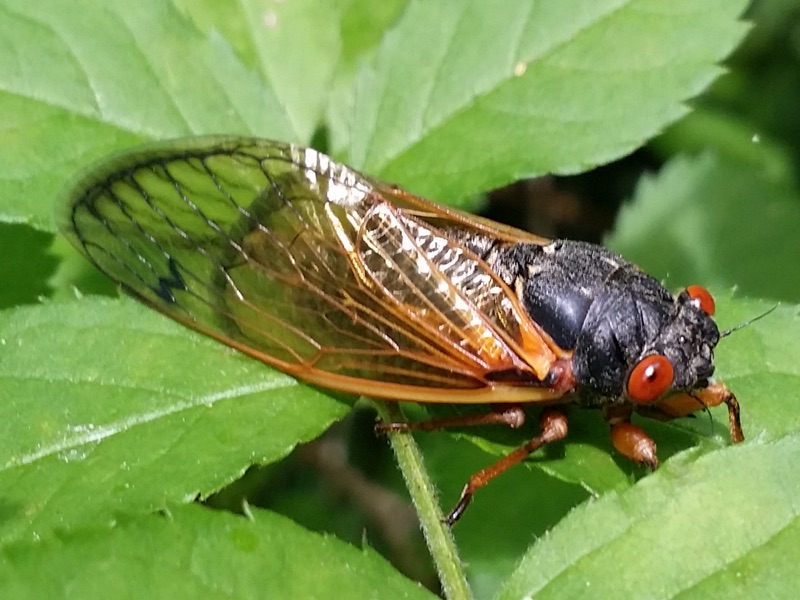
(138, 457)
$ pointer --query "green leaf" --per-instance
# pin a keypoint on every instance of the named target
(566, 86)
(364, 24)
(481, 109)
(193, 552)
(724, 525)
(108, 407)
(79, 79)
(714, 220)
(297, 69)
(25, 262)
(730, 137)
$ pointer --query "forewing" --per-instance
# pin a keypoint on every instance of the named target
(276, 250)
(447, 290)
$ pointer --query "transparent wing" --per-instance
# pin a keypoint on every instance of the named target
(308, 266)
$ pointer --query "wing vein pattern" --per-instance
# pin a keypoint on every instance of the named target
(303, 263)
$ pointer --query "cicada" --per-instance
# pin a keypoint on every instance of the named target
(351, 284)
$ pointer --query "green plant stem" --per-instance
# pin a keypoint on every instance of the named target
(423, 494)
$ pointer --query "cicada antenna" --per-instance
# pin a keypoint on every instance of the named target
(705, 409)
(748, 322)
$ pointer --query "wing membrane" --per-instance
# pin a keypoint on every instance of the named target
(305, 264)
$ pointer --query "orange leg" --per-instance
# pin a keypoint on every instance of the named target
(511, 416)
(553, 428)
(737, 435)
(685, 403)
(630, 440)
(718, 393)
(633, 442)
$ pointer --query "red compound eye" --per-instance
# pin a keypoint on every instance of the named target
(650, 378)
(702, 298)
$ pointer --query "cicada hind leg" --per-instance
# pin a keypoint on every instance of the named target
(553, 427)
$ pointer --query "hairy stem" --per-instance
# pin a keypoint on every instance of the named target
(423, 494)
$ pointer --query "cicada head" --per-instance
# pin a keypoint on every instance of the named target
(640, 344)
(688, 342)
